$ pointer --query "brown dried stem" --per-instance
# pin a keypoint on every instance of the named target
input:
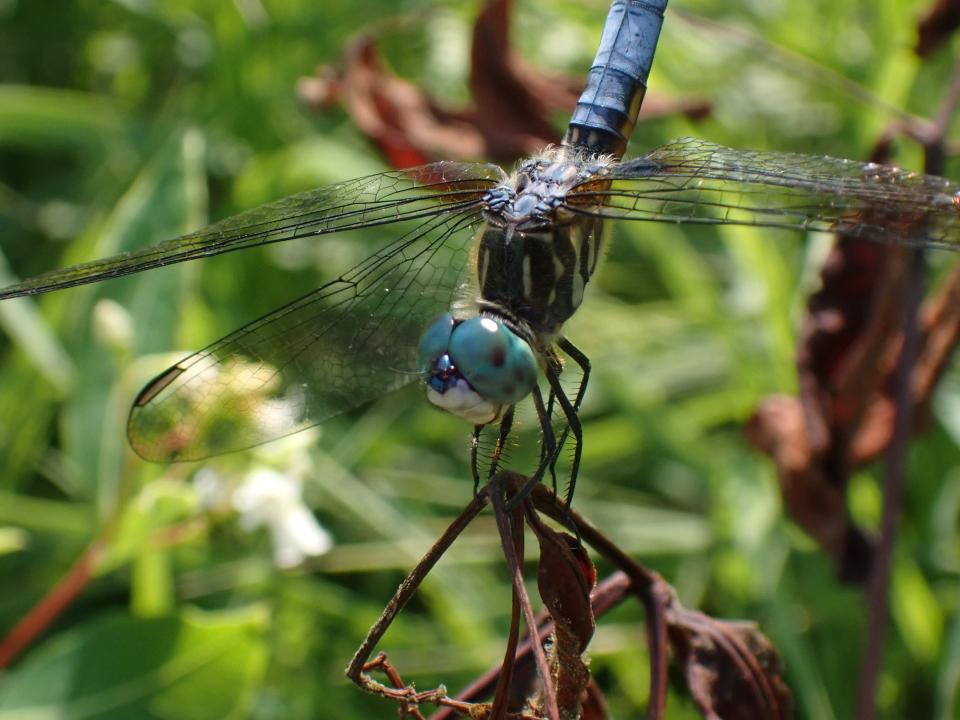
(358, 668)
(879, 584)
(504, 525)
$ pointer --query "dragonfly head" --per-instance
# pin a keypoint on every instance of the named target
(475, 368)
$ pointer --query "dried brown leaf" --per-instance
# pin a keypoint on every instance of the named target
(732, 670)
(514, 103)
(593, 706)
(936, 26)
(846, 362)
(565, 578)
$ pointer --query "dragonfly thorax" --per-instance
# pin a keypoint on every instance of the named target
(537, 277)
(534, 254)
(534, 195)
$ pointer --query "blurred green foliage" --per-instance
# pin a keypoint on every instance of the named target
(124, 123)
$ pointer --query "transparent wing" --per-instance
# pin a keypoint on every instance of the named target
(692, 181)
(345, 343)
(374, 200)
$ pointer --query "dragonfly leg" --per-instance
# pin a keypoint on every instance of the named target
(549, 448)
(474, 459)
(505, 424)
(573, 426)
(583, 362)
(547, 451)
(578, 356)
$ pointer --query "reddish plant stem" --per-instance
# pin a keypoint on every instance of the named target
(501, 695)
(879, 583)
(513, 562)
(605, 596)
(406, 590)
(653, 592)
(878, 589)
(41, 615)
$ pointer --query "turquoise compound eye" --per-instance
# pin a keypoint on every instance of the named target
(499, 365)
(434, 342)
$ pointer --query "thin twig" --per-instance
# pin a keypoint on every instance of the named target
(355, 670)
(605, 596)
(655, 594)
(879, 585)
(503, 525)
(51, 605)
(501, 694)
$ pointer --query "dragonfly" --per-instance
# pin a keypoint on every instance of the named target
(483, 267)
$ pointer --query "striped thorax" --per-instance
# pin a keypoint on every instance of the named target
(534, 258)
(534, 255)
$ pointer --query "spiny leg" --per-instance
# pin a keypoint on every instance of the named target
(505, 424)
(573, 426)
(578, 356)
(474, 450)
(547, 451)
(583, 362)
(545, 415)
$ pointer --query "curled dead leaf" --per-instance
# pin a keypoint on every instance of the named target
(514, 104)
(732, 670)
(936, 26)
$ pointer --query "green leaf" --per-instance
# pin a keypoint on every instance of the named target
(159, 505)
(48, 118)
(194, 666)
(24, 323)
(916, 611)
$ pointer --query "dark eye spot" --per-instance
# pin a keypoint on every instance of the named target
(498, 356)
(520, 375)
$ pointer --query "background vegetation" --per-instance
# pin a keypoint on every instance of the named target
(128, 122)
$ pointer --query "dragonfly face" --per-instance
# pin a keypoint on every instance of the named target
(476, 368)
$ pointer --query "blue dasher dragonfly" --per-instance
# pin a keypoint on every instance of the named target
(484, 267)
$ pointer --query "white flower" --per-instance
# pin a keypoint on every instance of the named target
(213, 490)
(268, 498)
(272, 499)
(113, 325)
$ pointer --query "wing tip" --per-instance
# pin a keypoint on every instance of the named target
(157, 385)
